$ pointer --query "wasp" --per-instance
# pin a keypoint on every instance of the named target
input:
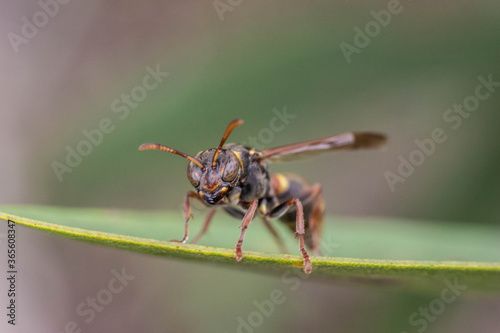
(236, 178)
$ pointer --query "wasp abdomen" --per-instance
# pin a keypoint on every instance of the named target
(288, 186)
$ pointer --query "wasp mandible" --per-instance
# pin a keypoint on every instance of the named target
(236, 178)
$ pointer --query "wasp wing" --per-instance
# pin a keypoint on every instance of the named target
(315, 147)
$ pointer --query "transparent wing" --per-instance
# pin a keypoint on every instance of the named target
(315, 147)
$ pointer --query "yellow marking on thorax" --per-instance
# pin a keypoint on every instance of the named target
(234, 197)
(263, 207)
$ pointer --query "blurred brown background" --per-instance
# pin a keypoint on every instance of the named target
(76, 67)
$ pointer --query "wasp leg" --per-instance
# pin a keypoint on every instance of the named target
(205, 227)
(299, 223)
(277, 237)
(244, 225)
(316, 218)
(187, 214)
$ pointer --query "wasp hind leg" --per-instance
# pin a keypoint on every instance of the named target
(299, 227)
(315, 223)
(312, 201)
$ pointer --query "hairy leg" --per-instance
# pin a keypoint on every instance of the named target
(244, 225)
(299, 227)
(187, 214)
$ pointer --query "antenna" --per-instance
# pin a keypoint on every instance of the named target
(156, 146)
(229, 129)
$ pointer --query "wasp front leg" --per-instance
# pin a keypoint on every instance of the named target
(299, 227)
(244, 225)
(187, 214)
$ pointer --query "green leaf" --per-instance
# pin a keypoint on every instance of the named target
(410, 254)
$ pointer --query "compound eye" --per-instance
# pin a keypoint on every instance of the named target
(230, 170)
(194, 174)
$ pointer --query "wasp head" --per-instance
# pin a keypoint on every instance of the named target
(214, 172)
(215, 180)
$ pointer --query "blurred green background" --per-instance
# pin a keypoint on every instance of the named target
(262, 56)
